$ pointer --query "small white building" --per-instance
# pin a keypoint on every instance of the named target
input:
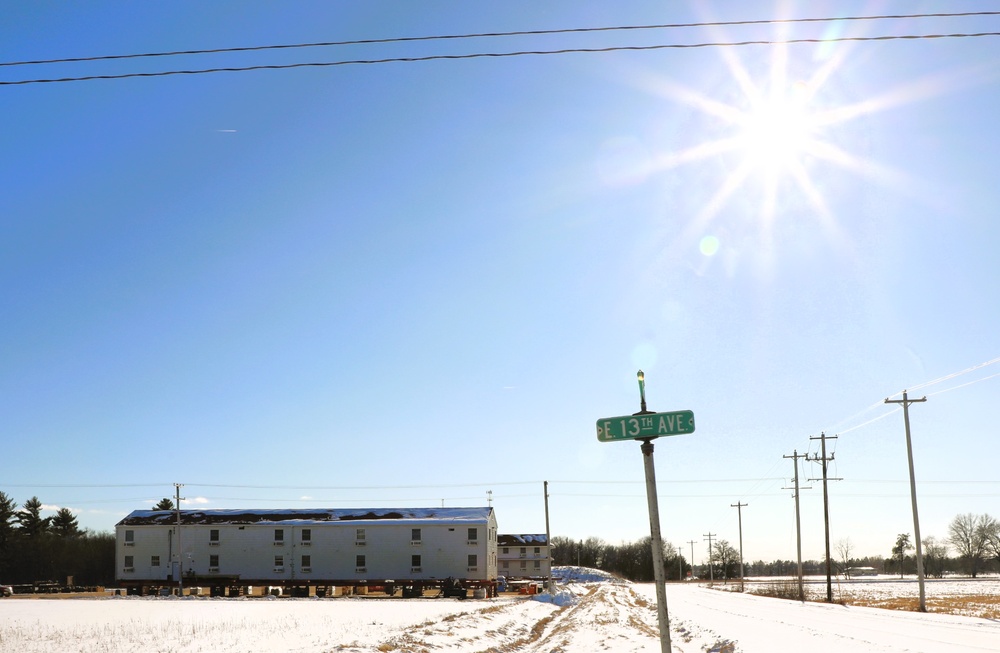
(307, 547)
(861, 571)
(523, 556)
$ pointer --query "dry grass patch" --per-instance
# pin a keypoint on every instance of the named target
(986, 606)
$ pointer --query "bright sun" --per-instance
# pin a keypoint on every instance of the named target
(777, 132)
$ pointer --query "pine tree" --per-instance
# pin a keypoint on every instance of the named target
(8, 514)
(30, 519)
(64, 523)
(164, 504)
(899, 551)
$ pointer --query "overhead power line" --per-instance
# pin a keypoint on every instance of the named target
(421, 486)
(436, 486)
(482, 55)
(543, 32)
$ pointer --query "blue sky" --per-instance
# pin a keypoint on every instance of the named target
(411, 284)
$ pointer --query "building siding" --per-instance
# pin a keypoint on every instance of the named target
(251, 551)
(523, 556)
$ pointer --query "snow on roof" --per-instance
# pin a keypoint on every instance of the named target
(189, 517)
(517, 540)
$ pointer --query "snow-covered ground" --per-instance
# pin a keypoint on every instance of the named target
(590, 613)
(970, 597)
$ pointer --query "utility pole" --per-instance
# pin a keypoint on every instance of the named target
(711, 573)
(798, 522)
(823, 437)
(180, 552)
(547, 536)
(680, 564)
(656, 542)
(739, 513)
(656, 539)
(913, 491)
(692, 543)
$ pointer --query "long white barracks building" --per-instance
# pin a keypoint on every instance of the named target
(227, 549)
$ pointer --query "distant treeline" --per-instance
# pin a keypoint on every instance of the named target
(974, 539)
(35, 548)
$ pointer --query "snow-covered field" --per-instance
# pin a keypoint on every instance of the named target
(585, 616)
(970, 597)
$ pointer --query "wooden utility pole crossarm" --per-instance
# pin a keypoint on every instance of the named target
(711, 573)
(739, 514)
(824, 459)
(798, 521)
(180, 555)
(692, 543)
(905, 401)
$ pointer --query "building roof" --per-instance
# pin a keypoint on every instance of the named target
(519, 540)
(305, 516)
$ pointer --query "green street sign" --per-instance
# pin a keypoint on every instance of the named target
(650, 425)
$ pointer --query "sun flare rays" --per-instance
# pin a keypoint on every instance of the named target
(770, 139)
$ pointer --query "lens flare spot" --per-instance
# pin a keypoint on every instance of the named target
(709, 245)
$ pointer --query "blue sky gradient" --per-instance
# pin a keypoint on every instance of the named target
(409, 284)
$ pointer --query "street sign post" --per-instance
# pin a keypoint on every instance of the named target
(649, 425)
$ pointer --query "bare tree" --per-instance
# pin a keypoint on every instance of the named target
(844, 549)
(969, 533)
(590, 552)
(727, 558)
(563, 550)
(993, 539)
(935, 554)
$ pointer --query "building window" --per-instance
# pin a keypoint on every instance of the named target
(213, 537)
(538, 564)
(473, 559)
(154, 561)
(524, 564)
(279, 561)
(415, 561)
(360, 535)
(506, 565)
(359, 564)
(279, 536)
(307, 536)
(524, 551)
(129, 538)
(506, 550)
(414, 534)
(538, 550)
(129, 563)
(306, 563)
(473, 534)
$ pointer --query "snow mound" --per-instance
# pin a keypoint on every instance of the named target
(561, 598)
(570, 574)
